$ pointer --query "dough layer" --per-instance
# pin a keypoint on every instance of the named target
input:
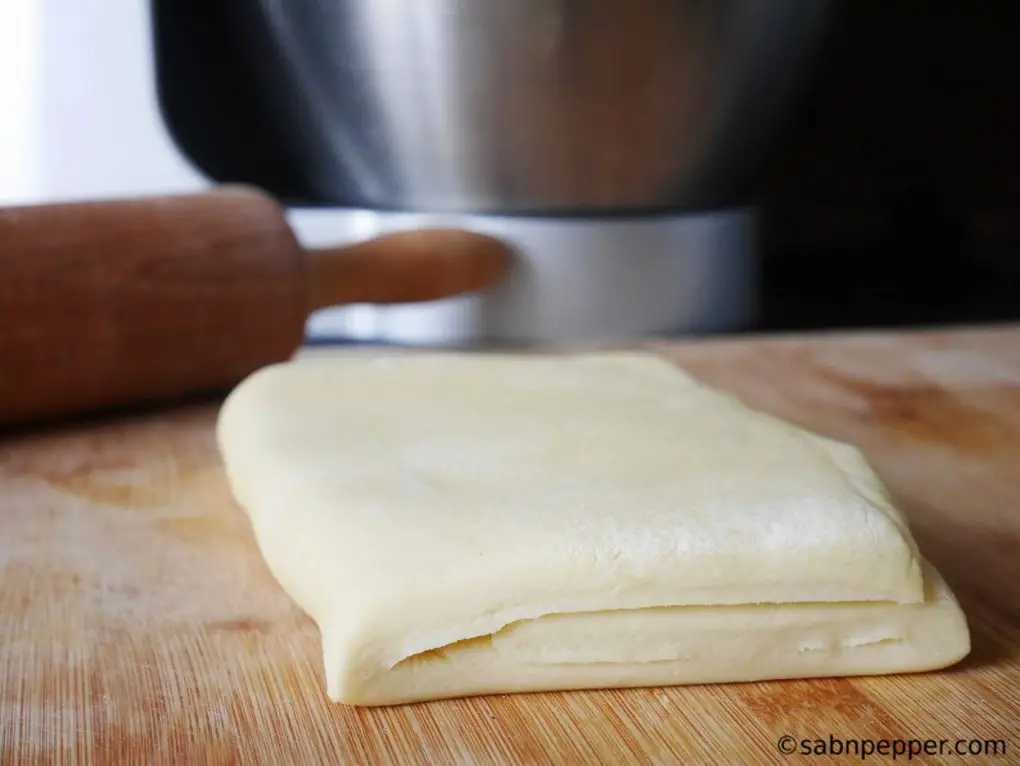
(673, 646)
(414, 502)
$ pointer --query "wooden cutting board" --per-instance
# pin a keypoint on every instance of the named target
(138, 623)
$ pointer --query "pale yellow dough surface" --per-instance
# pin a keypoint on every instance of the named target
(589, 521)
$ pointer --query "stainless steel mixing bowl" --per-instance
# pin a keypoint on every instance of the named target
(529, 106)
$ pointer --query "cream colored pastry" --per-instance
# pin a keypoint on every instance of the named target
(461, 524)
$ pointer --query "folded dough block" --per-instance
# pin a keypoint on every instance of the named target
(477, 523)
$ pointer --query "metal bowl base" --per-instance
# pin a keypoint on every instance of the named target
(578, 280)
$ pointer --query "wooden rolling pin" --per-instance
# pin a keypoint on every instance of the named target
(107, 304)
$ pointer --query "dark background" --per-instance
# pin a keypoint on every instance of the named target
(894, 199)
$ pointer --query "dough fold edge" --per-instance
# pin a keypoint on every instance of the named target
(685, 646)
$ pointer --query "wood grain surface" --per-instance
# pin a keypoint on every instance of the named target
(138, 623)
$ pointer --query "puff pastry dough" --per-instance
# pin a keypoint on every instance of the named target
(477, 523)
